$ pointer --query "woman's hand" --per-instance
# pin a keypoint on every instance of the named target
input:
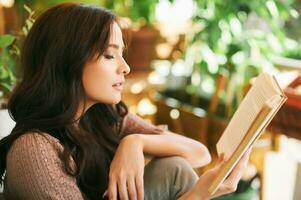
(126, 170)
(200, 190)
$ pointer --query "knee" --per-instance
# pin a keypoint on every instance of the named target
(172, 176)
(180, 173)
(175, 162)
(177, 166)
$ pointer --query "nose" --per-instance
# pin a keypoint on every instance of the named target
(124, 67)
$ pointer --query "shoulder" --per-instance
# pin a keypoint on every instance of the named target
(36, 136)
(31, 141)
(34, 169)
(32, 148)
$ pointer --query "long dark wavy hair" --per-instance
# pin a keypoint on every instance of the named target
(47, 97)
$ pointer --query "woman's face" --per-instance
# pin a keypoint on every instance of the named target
(103, 78)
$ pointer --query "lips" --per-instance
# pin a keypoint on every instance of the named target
(118, 86)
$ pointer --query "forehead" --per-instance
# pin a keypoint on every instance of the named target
(116, 35)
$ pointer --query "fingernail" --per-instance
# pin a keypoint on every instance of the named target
(222, 157)
(105, 194)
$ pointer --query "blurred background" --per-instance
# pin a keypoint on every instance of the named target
(191, 65)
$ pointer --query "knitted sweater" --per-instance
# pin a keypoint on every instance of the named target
(34, 169)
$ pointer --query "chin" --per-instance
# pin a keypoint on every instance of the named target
(114, 100)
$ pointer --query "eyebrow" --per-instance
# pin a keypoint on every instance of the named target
(116, 46)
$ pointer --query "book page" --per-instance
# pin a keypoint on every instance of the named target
(261, 92)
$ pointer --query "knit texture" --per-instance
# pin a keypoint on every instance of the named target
(34, 170)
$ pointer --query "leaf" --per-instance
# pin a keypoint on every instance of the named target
(24, 31)
(6, 40)
(27, 9)
(29, 24)
(6, 86)
(3, 73)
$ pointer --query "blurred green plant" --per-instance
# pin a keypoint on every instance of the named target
(293, 53)
(236, 39)
(39, 5)
(9, 55)
(141, 12)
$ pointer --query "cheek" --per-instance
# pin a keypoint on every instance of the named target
(97, 83)
(94, 80)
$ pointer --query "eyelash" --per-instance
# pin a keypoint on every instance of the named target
(109, 56)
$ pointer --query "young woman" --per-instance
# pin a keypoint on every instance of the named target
(74, 138)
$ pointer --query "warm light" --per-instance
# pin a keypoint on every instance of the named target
(178, 69)
(154, 78)
(162, 67)
(176, 13)
(174, 18)
(7, 3)
(196, 79)
(137, 87)
(209, 56)
(208, 85)
(133, 109)
(163, 50)
(174, 114)
(125, 22)
(145, 107)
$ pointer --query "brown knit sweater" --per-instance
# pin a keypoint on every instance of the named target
(34, 169)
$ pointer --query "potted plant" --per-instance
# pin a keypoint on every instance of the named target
(142, 33)
(9, 55)
(230, 42)
(234, 40)
(237, 39)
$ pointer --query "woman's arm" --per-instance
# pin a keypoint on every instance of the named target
(171, 144)
(138, 137)
(127, 167)
(159, 142)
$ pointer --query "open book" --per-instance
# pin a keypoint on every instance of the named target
(253, 115)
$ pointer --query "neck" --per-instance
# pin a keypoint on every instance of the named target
(83, 107)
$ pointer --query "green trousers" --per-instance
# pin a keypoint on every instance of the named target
(168, 178)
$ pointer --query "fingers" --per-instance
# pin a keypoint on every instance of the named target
(221, 158)
(220, 162)
(140, 187)
(112, 189)
(135, 189)
(122, 189)
(128, 188)
(105, 194)
(247, 154)
(244, 159)
(132, 189)
(230, 184)
(232, 181)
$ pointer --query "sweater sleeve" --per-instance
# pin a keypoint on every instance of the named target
(133, 124)
(35, 170)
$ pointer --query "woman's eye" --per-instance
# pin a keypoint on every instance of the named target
(107, 56)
